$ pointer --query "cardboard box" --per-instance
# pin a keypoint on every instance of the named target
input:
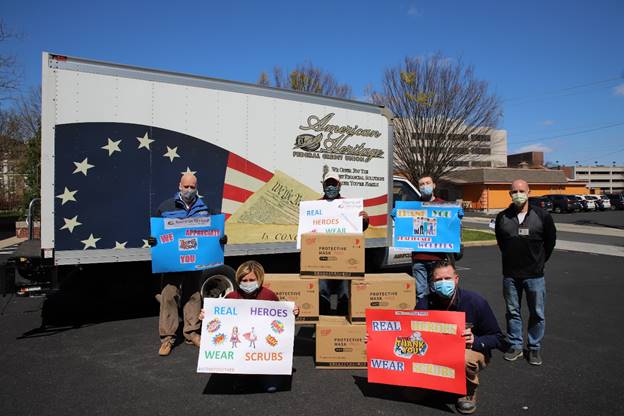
(332, 256)
(339, 344)
(381, 291)
(305, 293)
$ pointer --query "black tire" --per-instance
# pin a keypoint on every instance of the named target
(218, 282)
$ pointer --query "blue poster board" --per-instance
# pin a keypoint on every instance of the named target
(427, 226)
(187, 244)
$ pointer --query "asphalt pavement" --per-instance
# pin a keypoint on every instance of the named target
(98, 355)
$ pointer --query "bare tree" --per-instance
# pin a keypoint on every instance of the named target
(443, 115)
(9, 76)
(307, 78)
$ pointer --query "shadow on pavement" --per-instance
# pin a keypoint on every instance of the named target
(98, 293)
(246, 384)
(428, 398)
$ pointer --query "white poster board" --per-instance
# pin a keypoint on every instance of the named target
(339, 216)
(241, 336)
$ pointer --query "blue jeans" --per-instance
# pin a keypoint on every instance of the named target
(535, 289)
(339, 287)
(421, 270)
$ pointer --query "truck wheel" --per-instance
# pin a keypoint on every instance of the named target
(218, 282)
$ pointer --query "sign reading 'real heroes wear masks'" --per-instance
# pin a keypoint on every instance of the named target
(187, 244)
(247, 337)
(428, 226)
(339, 216)
(422, 349)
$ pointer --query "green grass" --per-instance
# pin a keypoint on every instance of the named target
(474, 235)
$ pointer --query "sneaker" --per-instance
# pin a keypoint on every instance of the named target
(194, 339)
(165, 348)
(512, 354)
(467, 404)
(535, 358)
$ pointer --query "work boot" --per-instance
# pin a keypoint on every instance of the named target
(467, 404)
(165, 348)
(535, 358)
(194, 339)
(512, 354)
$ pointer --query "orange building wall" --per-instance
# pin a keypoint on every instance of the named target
(494, 196)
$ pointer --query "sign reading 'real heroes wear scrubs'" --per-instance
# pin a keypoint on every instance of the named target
(247, 337)
(187, 244)
(338, 216)
(422, 349)
(428, 226)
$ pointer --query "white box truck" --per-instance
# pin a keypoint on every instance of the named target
(116, 138)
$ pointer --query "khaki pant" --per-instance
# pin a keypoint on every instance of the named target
(475, 362)
(179, 288)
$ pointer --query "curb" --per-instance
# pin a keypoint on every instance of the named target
(484, 243)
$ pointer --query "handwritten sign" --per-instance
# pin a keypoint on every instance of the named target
(187, 244)
(241, 336)
(340, 216)
(417, 348)
(427, 226)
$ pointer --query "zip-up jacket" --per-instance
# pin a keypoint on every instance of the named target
(487, 333)
(526, 246)
(175, 208)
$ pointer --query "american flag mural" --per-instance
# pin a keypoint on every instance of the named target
(110, 177)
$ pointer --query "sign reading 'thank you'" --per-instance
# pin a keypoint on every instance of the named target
(427, 226)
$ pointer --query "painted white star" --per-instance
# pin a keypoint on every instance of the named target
(90, 242)
(120, 246)
(112, 146)
(67, 195)
(188, 170)
(83, 167)
(144, 141)
(71, 223)
(171, 153)
(146, 244)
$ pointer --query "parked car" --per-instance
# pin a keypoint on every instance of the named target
(588, 203)
(598, 201)
(606, 202)
(542, 202)
(617, 200)
(565, 203)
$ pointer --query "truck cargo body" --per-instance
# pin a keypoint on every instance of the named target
(115, 140)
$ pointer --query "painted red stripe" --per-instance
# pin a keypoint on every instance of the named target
(377, 220)
(227, 216)
(376, 201)
(235, 193)
(242, 165)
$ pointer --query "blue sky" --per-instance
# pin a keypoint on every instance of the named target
(558, 65)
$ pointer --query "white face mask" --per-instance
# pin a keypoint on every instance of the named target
(249, 287)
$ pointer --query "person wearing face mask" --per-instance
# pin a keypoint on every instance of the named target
(482, 332)
(249, 280)
(422, 262)
(182, 286)
(526, 236)
(331, 191)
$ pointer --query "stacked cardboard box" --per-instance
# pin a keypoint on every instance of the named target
(290, 287)
(332, 256)
(381, 291)
(339, 344)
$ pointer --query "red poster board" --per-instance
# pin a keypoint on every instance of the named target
(417, 348)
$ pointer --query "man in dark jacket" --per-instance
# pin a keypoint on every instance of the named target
(331, 191)
(526, 236)
(482, 331)
(186, 203)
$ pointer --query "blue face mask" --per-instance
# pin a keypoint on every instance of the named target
(331, 192)
(426, 190)
(444, 288)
